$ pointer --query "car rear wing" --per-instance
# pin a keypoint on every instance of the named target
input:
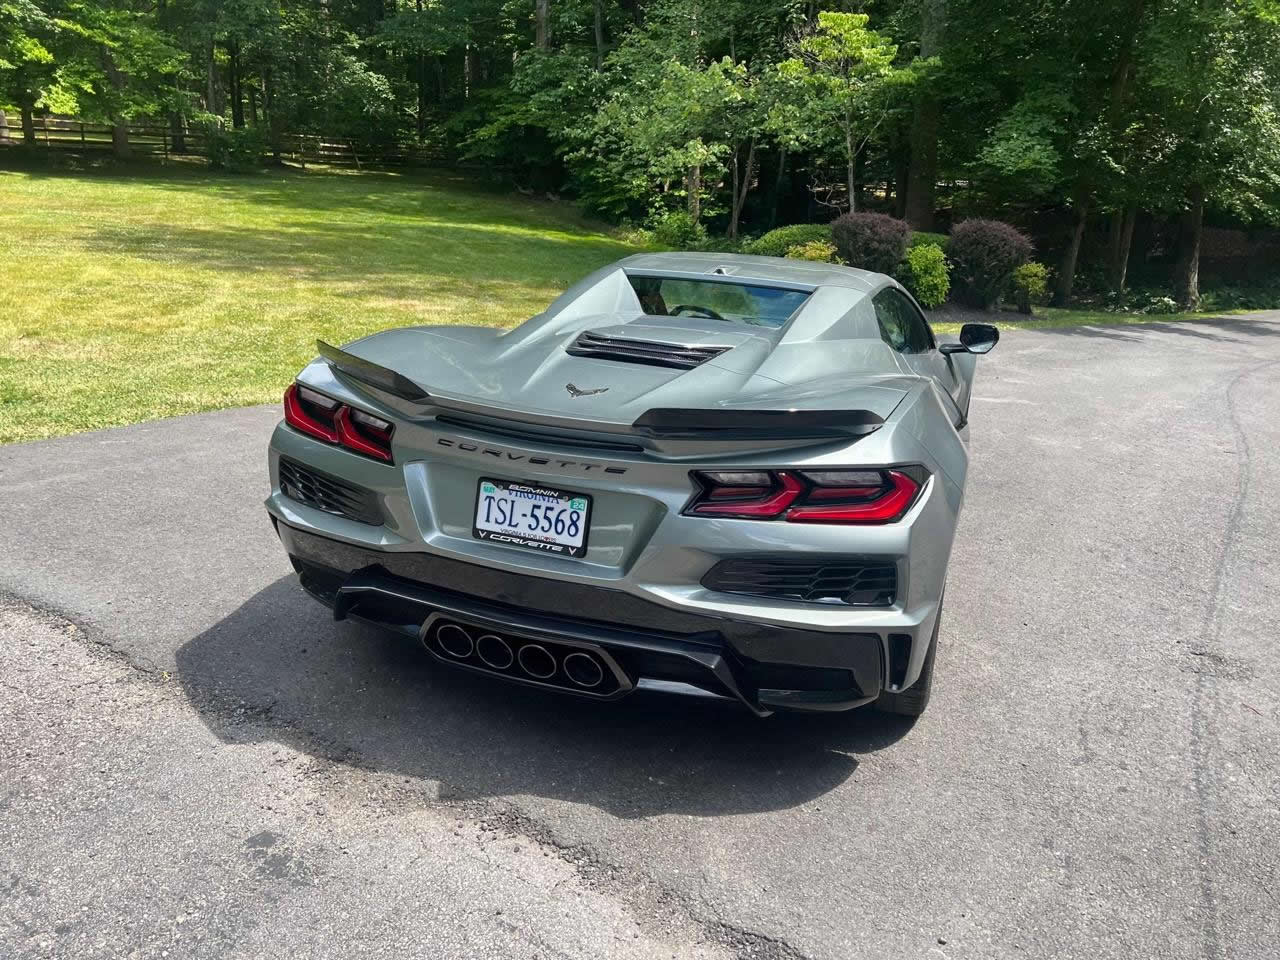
(373, 374)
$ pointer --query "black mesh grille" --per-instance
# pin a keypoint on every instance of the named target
(859, 581)
(642, 351)
(327, 493)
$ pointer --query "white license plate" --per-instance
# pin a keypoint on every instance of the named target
(528, 515)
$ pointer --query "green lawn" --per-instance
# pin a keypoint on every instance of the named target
(130, 298)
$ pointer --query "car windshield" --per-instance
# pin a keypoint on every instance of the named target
(757, 305)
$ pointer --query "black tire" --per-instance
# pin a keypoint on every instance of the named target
(912, 701)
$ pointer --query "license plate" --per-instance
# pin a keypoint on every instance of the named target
(529, 515)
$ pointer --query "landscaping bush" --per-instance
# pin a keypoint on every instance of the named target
(872, 241)
(677, 229)
(984, 254)
(1030, 285)
(823, 251)
(921, 238)
(924, 272)
(236, 151)
(777, 242)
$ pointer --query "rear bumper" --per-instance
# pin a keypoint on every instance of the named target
(762, 666)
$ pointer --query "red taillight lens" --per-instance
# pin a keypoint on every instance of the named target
(312, 413)
(744, 496)
(326, 419)
(824, 496)
(858, 502)
(364, 433)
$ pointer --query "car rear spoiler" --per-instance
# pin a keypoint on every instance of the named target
(695, 424)
(373, 374)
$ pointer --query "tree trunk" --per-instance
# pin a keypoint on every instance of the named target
(599, 27)
(27, 108)
(1121, 243)
(212, 101)
(922, 173)
(542, 24)
(693, 183)
(777, 187)
(1187, 282)
(177, 133)
(850, 154)
(740, 190)
(237, 105)
(269, 112)
(119, 130)
(922, 176)
(1067, 270)
(901, 179)
(253, 107)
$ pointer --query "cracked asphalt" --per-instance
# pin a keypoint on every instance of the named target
(195, 761)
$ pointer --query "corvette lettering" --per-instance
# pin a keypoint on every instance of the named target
(506, 455)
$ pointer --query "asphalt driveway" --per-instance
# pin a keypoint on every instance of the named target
(195, 759)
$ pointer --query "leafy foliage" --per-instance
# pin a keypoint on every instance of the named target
(1030, 285)
(677, 230)
(984, 254)
(823, 251)
(924, 273)
(871, 241)
(922, 237)
(236, 151)
(778, 241)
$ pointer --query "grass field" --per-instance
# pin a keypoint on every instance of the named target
(132, 297)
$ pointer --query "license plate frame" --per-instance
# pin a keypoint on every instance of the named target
(535, 495)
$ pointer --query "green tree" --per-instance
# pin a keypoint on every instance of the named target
(844, 67)
(26, 62)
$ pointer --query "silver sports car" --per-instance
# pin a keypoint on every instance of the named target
(704, 474)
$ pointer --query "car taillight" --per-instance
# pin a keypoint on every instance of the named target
(326, 419)
(807, 496)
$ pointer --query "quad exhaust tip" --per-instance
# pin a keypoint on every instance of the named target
(494, 652)
(455, 641)
(537, 661)
(587, 670)
(584, 670)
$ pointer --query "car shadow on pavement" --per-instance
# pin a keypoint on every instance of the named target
(280, 669)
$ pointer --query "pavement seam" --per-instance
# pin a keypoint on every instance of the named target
(652, 904)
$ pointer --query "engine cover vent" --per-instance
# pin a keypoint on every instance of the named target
(642, 351)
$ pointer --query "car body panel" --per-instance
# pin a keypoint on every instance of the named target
(498, 408)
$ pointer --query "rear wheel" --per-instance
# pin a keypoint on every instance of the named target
(912, 701)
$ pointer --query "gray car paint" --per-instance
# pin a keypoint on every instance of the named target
(828, 356)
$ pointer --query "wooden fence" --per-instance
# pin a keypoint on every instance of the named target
(157, 140)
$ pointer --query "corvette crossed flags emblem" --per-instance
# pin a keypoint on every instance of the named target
(575, 392)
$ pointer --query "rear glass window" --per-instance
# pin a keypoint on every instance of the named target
(753, 304)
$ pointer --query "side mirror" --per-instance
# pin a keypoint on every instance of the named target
(974, 338)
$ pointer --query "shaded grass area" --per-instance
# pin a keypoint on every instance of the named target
(128, 299)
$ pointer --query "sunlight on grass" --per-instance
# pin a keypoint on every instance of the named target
(129, 299)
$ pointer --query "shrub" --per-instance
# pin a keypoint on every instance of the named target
(923, 238)
(1030, 285)
(236, 151)
(777, 242)
(984, 254)
(924, 272)
(823, 251)
(677, 229)
(872, 241)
